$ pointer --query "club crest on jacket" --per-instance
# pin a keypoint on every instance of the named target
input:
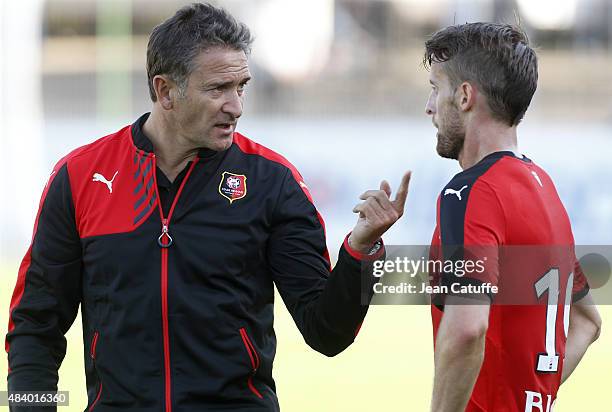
(232, 186)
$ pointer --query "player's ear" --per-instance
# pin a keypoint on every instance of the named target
(466, 96)
(163, 90)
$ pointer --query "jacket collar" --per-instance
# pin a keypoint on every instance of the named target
(142, 142)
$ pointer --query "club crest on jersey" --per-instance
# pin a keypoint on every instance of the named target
(232, 186)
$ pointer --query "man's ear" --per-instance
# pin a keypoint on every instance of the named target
(466, 96)
(163, 87)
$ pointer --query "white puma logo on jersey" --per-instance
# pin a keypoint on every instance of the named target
(302, 184)
(450, 191)
(97, 177)
(537, 178)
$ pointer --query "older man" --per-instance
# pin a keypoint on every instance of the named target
(171, 233)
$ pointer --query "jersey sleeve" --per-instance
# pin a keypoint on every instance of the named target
(580, 288)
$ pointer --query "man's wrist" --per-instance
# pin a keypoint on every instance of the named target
(359, 247)
(367, 252)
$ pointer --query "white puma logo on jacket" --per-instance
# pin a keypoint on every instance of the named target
(97, 177)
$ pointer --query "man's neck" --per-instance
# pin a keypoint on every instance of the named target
(171, 152)
(486, 138)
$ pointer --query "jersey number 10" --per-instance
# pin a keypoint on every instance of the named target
(549, 362)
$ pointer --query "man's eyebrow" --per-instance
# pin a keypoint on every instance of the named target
(432, 82)
(221, 83)
(217, 83)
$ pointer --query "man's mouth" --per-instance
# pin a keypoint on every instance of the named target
(225, 126)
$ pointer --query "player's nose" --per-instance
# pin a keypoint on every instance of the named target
(430, 108)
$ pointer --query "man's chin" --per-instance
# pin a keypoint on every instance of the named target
(224, 142)
(220, 139)
(445, 154)
(446, 151)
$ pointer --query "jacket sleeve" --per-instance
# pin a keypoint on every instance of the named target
(328, 307)
(47, 293)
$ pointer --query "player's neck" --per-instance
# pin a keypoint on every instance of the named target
(485, 138)
(171, 155)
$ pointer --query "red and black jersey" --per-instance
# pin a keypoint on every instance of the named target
(176, 301)
(507, 208)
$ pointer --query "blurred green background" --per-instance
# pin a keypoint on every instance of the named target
(388, 368)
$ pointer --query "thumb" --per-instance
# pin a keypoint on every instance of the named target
(386, 187)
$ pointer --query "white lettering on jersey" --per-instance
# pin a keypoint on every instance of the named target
(533, 402)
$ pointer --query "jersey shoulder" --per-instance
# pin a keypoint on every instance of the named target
(468, 198)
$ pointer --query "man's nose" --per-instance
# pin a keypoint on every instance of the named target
(429, 108)
(233, 105)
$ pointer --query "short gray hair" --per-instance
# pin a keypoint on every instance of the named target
(175, 43)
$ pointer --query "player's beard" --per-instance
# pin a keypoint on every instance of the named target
(451, 133)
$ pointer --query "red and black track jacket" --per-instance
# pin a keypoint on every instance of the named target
(177, 306)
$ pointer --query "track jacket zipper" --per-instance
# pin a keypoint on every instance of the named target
(92, 354)
(165, 241)
(254, 361)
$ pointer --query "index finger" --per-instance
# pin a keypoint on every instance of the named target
(402, 192)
